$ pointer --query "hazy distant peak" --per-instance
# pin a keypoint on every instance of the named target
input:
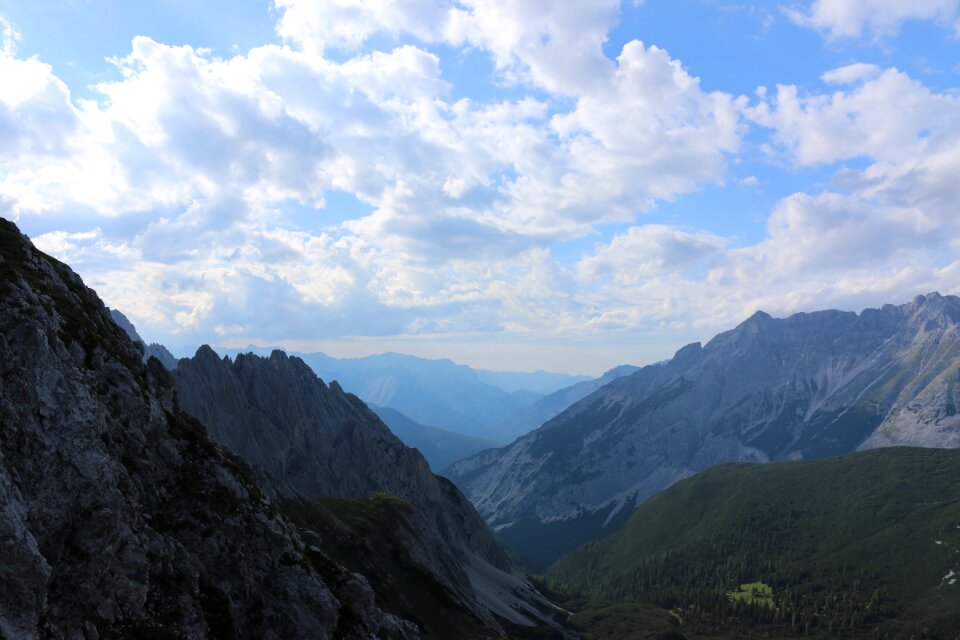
(124, 323)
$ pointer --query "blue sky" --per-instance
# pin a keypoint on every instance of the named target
(513, 184)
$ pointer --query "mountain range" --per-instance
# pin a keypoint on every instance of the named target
(123, 518)
(543, 409)
(440, 447)
(219, 497)
(152, 350)
(312, 440)
(437, 393)
(806, 386)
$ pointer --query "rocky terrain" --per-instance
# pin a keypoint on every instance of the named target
(806, 386)
(311, 440)
(118, 516)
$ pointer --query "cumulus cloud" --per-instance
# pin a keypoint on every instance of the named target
(887, 117)
(36, 114)
(211, 180)
(879, 18)
(879, 232)
(649, 251)
(851, 73)
(552, 43)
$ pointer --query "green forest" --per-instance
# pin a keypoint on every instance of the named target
(864, 545)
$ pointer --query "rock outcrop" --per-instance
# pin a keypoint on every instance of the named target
(312, 440)
(118, 515)
(807, 386)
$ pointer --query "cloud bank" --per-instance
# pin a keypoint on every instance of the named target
(199, 188)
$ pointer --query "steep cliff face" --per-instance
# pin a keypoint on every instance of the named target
(802, 387)
(118, 516)
(311, 440)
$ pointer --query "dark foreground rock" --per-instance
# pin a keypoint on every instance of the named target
(118, 515)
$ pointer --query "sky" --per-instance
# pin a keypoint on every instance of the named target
(513, 184)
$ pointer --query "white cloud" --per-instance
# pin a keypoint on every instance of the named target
(316, 25)
(851, 73)
(880, 18)
(551, 43)
(555, 44)
(888, 117)
(36, 115)
(649, 251)
(9, 37)
(210, 179)
(878, 233)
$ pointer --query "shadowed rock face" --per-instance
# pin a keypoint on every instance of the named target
(312, 440)
(806, 386)
(118, 516)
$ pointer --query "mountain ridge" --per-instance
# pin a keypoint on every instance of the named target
(809, 385)
(439, 393)
(313, 442)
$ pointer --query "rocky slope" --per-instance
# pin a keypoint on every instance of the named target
(311, 440)
(806, 386)
(118, 516)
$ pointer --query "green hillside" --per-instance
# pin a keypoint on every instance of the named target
(863, 545)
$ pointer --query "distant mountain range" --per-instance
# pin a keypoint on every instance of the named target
(532, 416)
(153, 349)
(440, 447)
(508, 403)
(863, 545)
(807, 386)
(437, 393)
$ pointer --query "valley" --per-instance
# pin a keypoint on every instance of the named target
(864, 543)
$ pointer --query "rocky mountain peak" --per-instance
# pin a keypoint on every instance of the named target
(934, 311)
